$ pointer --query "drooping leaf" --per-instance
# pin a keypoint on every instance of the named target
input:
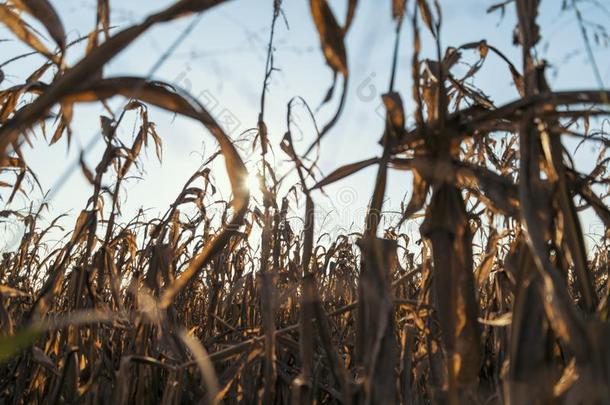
(331, 36)
(44, 12)
(22, 31)
(426, 15)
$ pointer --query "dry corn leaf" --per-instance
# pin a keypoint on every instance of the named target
(44, 12)
(331, 36)
(22, 30)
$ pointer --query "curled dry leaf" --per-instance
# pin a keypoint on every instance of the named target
(23, 31)
(44, 12)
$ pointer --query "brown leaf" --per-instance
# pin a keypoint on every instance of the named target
(398, 9)
(395, 109)
(22, 31)
(86, 171)
(426, 15)
(103, 16)
(44, 12)
(418, 197)
(351, 10)
(345, 171)
(331, 36)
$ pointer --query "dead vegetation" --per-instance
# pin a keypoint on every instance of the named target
(501, 303)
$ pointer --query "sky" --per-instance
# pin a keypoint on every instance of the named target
(222, 63)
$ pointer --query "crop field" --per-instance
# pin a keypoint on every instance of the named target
(500, 296)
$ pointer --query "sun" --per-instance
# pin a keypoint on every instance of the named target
(252, 183)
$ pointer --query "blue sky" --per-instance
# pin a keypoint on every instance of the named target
(222, 63)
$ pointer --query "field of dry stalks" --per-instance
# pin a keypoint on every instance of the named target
(499, 302)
